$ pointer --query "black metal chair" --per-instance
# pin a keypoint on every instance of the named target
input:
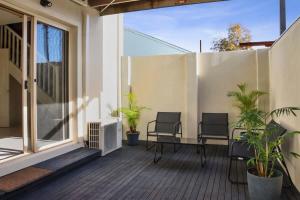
(241, 151)
(214, 126)
(166, 123)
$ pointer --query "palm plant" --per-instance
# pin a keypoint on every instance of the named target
(132, 112)
(264, 142)
(246, 102)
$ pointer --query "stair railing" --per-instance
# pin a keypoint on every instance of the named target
(11, 40)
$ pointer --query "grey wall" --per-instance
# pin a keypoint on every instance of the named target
(140, 44)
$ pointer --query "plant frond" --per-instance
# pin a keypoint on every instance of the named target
(285, 111)
(242, 87)
(251, 162)
(132, 112)
(296, 155)
(290, 134)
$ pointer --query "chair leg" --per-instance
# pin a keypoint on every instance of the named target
(230, 166)
(229, 171)
(286, 169)
(174, 148)
(147, 143)
(228, 149)
(288, 174)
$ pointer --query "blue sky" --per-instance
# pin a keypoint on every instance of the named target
(186, 25)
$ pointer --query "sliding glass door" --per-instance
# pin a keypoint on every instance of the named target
(52, 100)
(34, 84)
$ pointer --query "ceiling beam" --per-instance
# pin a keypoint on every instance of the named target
(102, 3)
(120, 6)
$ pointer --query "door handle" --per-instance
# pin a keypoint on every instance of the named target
(26, 85)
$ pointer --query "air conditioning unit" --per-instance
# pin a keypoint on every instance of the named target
(81, 2)
(106, 137)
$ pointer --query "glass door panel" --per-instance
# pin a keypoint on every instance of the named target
(52, 85)
(13, 131)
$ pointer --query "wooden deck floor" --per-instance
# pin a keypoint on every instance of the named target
(129, 173)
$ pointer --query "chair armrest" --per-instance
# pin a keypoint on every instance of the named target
(149, 125)
(180, 128)
(199, 128)
(242, 129)
(233, 132)
(151, 121)
(179, 125)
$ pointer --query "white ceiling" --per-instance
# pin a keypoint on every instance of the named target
(8, 18)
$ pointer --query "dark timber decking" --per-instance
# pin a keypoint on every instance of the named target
(129, 173)
(25, 179)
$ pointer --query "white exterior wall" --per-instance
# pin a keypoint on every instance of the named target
(102, 60)
(284, 90)
(192, 84)
(163, 84)
(220, 73)
(112, 48)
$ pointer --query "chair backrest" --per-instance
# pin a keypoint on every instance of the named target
(166, 121)
(276, 130)
(215, 124)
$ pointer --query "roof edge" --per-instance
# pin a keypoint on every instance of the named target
(157, 40)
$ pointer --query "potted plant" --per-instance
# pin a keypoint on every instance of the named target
(115, 114)
(264, 181)
(132, 114)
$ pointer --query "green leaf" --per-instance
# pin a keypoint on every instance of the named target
(251, 162)
(132, 112)
(285, 111)
(296, 155)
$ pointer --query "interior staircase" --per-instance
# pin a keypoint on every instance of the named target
(11, 41)
(46, 90)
